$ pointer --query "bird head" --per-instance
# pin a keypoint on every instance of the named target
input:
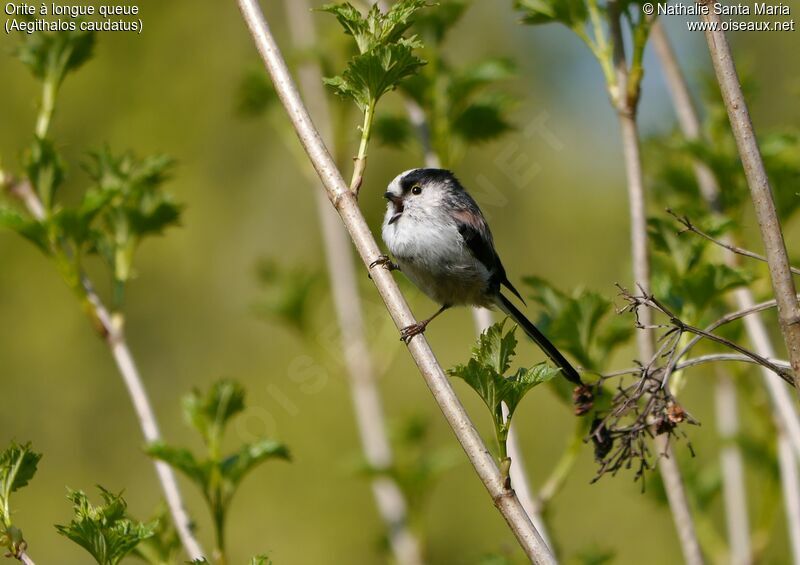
(418, 191)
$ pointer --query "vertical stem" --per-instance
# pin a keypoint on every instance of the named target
(791, 493)
(626, 109)
(367, 405)
(733, 486)
(520, 479)
(345, 203)
(49, 91)
(760, 191)
(787, 423)
(361, 159)
(681, 515)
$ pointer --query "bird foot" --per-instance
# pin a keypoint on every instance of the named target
(385, 262)
(410, 331)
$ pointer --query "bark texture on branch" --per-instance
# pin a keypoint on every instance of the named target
(786, 419)
(367, 405)
(758, 182)
(345, 203)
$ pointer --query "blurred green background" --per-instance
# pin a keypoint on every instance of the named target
(191, 318)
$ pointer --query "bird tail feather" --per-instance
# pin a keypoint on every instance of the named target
(541, 340)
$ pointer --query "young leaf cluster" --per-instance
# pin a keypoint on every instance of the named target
(486, 372)
(124, 203)
(685, 278)
(673, 156)
(583, 323)
(17, 467)
(384, 56)
(105, 531)
(586, 18)
(218, 476)
(462, 105)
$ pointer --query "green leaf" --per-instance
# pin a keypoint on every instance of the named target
(471, 79)
(484, 380)
(496, 349)
(17, 467)
(370, 75)
(289, 295)
(482, 121)
(435, 23)
(51, 56)
(128, 204)
(32, 230)
(376, 29)
(183, 460)
(261, 560)
(217, 476)
(518, 385)
(235, 467)
(45, 169)
(484, 372)
(164, 546)
(104, 531)
(571, 13)
(583, 323)
(209, 413)
(393, 131)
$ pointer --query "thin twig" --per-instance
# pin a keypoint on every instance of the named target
(716, 357)
(389, 498)
(652, 302)
(25, 558)
(345, 203)
(690, 227)
(758, 182)
(113, 333)
(681, 513)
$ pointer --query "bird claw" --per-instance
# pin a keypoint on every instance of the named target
(410, 331)
(385, 262)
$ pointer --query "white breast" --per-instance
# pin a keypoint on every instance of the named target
(433, 255)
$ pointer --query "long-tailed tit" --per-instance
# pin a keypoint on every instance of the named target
(441, 241)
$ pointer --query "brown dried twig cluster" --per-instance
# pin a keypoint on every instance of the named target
(643, 406)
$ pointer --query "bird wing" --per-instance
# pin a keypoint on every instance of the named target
(478, 238)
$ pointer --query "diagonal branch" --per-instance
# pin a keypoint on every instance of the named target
(758, 182)
(367, 405)
(345, 203)
(785, 415)
(112, 331)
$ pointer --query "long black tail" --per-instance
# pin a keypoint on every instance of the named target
(550, 350)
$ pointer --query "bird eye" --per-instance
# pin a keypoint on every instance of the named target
(416, 189)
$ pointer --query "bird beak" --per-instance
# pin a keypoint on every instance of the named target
(398, 206)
